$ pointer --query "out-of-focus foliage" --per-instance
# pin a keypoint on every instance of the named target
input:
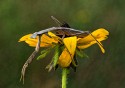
(20, 17)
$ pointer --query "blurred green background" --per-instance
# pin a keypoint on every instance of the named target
(20, 17)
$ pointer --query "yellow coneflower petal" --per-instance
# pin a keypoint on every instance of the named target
(24, 38)
(100, 34)
(45, 40)
(56, 38)
(65, 58)
(95, 37)
(30, 41)
(70, 43)
(101, 47)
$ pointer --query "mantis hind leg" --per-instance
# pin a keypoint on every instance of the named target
(29, 60)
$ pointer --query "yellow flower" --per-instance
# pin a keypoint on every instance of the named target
(70, 43)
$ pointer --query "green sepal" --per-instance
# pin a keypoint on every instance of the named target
(55, 58)
(41, 56)
(49, 66)
(74, 62)
(81, 54)
(68, 70)
(44, 53)
(56, 55)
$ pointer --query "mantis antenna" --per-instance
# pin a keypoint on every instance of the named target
(56, 21)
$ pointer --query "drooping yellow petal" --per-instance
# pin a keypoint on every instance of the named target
(70, 43)
(24, 38)
(100, 34)
(45, 40)
(95, 37)
(65, 58)
(32, 42)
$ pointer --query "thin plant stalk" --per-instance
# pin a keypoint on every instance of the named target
(64, 77)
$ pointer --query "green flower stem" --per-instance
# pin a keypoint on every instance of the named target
(64, 77)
